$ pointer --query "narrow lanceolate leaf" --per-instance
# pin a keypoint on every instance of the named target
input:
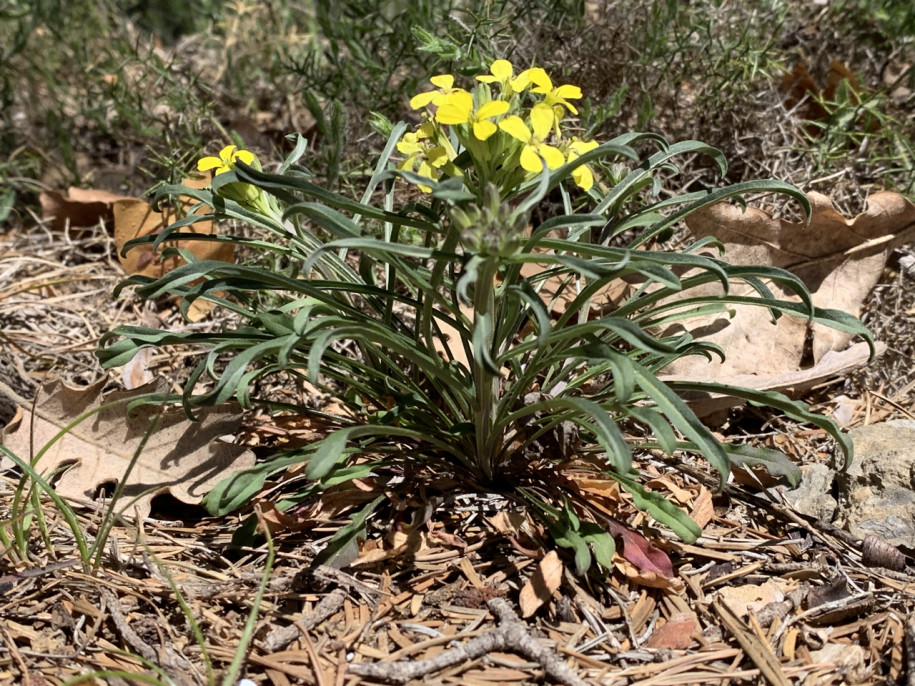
(795, 409)
(343, 548)
(606, 431)
(679, 414)
(660, 508)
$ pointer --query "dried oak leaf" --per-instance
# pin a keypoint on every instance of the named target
(675, 634)
(77, 207)
(183, 457)
(840, 260)
(799, 85)
(134, 218)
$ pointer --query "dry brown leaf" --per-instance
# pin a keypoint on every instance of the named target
(703, 508)
(182, 457)
(543, 583)
(751, 597)
(134, 218)
(676, 634)
(840, 261)
(558, 292)
(276, 521)
(136, 372)
(78, 207)
(645, 578)
(799, 84)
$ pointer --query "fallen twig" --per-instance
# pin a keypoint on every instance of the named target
(510, 634)
(170, 661)
(281, 637)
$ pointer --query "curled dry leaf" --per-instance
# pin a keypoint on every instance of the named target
(135, 218)
(543, 583)
(840, 260)
(181, 457)
(751, 598)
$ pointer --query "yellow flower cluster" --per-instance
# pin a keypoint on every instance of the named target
(243, 193)
(510, 125)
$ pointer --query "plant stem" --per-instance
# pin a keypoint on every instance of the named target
(485, 382)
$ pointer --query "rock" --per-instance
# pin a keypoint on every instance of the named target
(878, 490)
(813, 496)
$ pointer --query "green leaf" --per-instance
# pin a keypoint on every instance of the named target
(795, 409)
(343, 548)
(565, 536)
(774, 461)
(679, 414)
(660, 508)
(603, 546)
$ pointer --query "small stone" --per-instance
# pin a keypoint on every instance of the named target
(878, 496)
(812, 496)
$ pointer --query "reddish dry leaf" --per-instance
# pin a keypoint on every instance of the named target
(643, 553)
(181, 457)
(799, 84)
(277, 521)
(543, 583)
(675, 634)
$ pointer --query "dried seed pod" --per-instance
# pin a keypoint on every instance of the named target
(875, 552)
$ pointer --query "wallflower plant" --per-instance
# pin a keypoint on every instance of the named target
(461, 339)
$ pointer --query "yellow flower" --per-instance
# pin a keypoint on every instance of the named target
(503, 73)
(424, 154)
(483, 128)
(582, 174)
(534, 146)
(445, 83)
(457, 109)
(226, 160)
(553, 96)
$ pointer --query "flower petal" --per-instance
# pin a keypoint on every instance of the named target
(492, 109)
(484, 129)
(530, 160)
(581, 147)
(245, 156)
(515, 127)
(457, 108)
(437, 156)
(541, 120)
(568, 91)
(540, 79)
(502, 70)
(553, 156)
(521, 82)
(583, 177)
(423, 99)
(207, 163)
(443, 81)
(227, 154)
